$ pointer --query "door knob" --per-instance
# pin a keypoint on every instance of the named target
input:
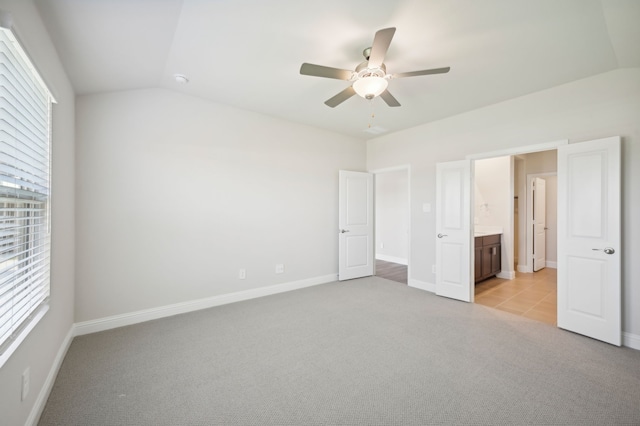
(442, 235)
(607, 250)
(342, 231)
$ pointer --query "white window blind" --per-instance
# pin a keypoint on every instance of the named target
(25, 110)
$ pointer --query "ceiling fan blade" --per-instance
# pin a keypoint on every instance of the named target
(389, 99)
(423, 72)
(381, 42)
(340, 97)
(327, 72)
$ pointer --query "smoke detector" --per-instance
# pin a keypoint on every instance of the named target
(180, 78)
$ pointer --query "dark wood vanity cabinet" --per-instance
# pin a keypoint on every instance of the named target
(488, 256)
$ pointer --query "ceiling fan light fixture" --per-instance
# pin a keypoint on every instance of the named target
(371, 86)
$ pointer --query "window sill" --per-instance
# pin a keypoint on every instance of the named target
(15, 341)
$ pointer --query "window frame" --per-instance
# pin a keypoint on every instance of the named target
(28, 193)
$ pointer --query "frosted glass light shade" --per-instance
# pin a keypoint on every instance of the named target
(370, 87)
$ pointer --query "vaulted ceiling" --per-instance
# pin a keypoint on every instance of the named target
(247, 53)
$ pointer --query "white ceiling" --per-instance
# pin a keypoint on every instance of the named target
(247, 53)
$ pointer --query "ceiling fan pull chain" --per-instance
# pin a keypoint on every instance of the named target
(373, 114)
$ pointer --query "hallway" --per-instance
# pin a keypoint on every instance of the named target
(391, 271)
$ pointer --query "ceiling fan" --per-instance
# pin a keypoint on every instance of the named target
(370, 78)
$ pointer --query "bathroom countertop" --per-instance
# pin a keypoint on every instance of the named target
(484, 230)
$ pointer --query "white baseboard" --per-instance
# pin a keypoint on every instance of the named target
(422, 285)
(525, 268)
(392, 259)
(507, 275)
(631, 340)
(552, 265)
(43, 396)
(101, 324)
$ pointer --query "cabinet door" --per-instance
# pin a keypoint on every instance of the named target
(486, 262)
(496, 259)
(478, 263)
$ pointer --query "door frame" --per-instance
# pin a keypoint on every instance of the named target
(375, 172)
(528, 267)
(515, 151)
(363, 229)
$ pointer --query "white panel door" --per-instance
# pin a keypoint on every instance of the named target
(589, 239)
(453, 230)
(539, 224)
(355, 222)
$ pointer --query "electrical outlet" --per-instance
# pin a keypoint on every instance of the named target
(433, 269)
(381, 245)
(279, 268)
(242, 274)
(25, 383)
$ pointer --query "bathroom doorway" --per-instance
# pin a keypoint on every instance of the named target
(508, 210)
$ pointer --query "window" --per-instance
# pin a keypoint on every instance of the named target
(25, 111)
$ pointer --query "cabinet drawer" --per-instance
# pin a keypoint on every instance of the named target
(490, 239)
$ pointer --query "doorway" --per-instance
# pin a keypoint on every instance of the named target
(507, 202)
(392, 224)
(589, 234)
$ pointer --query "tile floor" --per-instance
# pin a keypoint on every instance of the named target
(532, 295)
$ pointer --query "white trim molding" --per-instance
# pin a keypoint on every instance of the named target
(45, 391)
(506, 275)
(526, 149)
(392, 259)
(631, 340)
(525, 268)
(115, 321)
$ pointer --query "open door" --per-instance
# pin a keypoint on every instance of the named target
(355, 222)
(539, 224)
(589, 296)
(453, 229)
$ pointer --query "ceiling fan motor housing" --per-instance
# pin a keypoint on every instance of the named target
(363, 70)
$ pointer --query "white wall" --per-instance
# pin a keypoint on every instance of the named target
(604, 105)
(392, 216)
(175, 194)
(51, 336)
(493, 203)
(541, 162)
